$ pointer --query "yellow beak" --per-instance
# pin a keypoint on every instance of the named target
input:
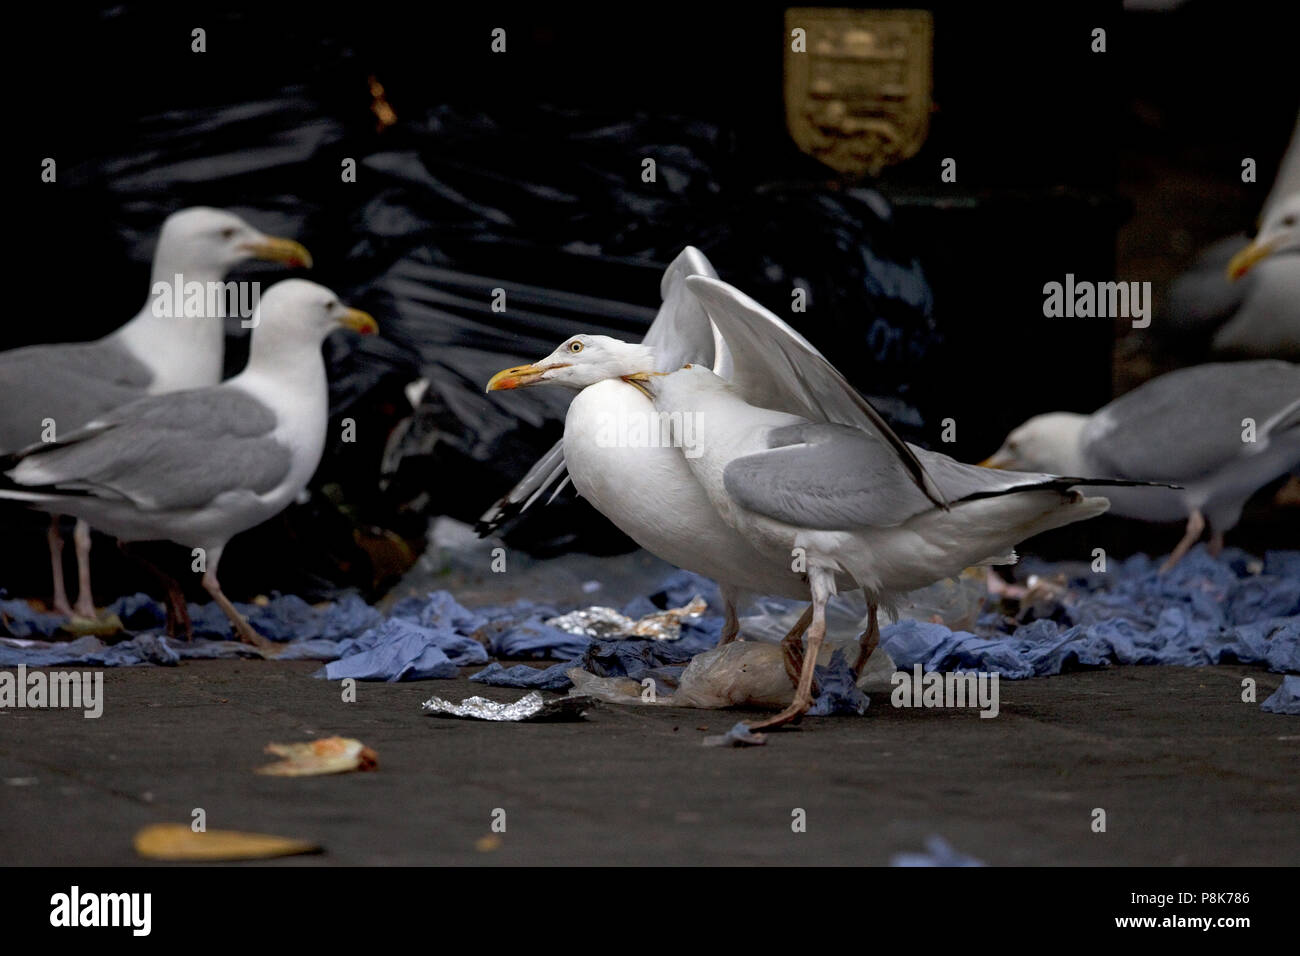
(521, 376)
(995, 460)
(286, 251)
(359, 321)
(1247, 258)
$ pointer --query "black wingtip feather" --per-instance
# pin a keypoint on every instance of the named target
(1065, 483)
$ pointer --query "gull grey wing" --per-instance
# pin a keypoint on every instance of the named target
(70, 384)
(166, 452)
(835, 477)
(775, 367)
(680, 334)
(1151, 433)
(826, 476)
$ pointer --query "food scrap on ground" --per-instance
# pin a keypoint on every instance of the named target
(316, 757)
(178, 842)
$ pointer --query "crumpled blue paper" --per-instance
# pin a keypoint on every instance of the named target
(1206, 611)
(1286, 699)
(938, 852)
(554, 677)
(837, 690)
(308, 633)
(399, 649)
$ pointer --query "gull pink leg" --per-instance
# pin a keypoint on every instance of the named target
(1195, 525)
(55, 538)
(823, 583)
(85, 606)
(242, 627)
(869, 639)
(730, 626)
(792, 645)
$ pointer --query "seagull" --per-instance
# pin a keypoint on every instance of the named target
(1267, 321)
(612, 445)
(50, 390)
(1221, 431)
(201, 465)
(1242, 297)
(775, 363)
(841, 499)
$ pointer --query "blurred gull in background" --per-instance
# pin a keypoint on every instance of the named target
(1243, 295)
(1266, 322)
(66, 385)
(1189, 427)
(201, 465)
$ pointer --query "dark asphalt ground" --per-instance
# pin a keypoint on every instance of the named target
(1186, 772)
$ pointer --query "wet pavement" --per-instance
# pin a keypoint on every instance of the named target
(1185, 771)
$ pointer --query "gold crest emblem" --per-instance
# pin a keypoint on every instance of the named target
(857, 85)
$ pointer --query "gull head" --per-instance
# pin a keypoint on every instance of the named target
(203, 240)
(581, 361)
(1047, 443)
(296, 314)
(1279, 233)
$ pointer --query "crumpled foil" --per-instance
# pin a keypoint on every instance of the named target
(605, 623)
(531, 707)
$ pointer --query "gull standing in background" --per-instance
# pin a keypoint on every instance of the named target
(1267, 322)
(199, 466)
(69, 384)
(1244, 295)
(1221, 431)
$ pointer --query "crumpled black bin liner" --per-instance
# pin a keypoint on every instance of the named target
(585, 253)
(449, 204)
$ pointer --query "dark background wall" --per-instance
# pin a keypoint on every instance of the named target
(521, 171)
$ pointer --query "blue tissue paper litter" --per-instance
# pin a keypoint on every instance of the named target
(1286, 699)
(531, 638)
(837, 690)
(22, 622)
(938, 852)
(400, 649)
(554, 677)
(1205, 611)
(307, 632)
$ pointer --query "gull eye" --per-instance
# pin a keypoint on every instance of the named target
(1289, 221)
(228, 232)
(575, 346)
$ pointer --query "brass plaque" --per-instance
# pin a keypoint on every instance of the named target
(858, 95)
